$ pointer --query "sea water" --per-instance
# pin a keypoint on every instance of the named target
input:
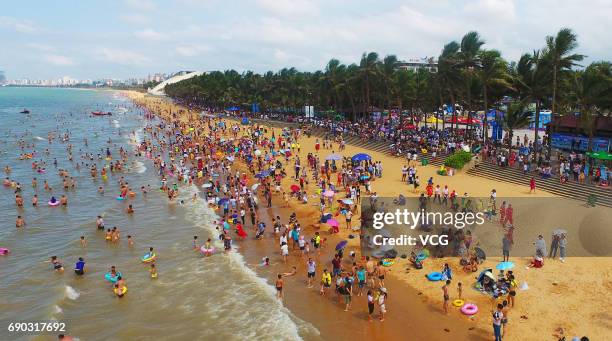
(212, 298)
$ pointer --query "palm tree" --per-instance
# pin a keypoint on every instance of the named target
(448, 76)
(558, 50)
(388, 70)
(492, 73)
(516, 117)
(368, 67)
(592, 93)
(532, 78)
(468, 62)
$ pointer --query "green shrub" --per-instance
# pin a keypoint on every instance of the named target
(458, 159)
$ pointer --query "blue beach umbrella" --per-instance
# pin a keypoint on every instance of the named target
(223, 201)
(361, 157)
(504, 266)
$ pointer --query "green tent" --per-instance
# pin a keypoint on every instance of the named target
(601, 155)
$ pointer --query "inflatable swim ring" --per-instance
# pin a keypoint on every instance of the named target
(4, 251)
(420, 257)
(154, 275)
(469, 309)
(132, 194)
(53, 203)
(109, 277)
(458, 303)
(149, 257)
(388, 261)
(120, 198)
(434, 276)
(207, 251)
(123, 290)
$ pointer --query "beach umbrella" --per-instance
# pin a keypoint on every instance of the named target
(254, 187)
(333, 222)
(295, 188)
(207, 185)
(504, 266)
(334, 157)
(559, 232)
(230, 158)
(365, 177)
(341, 245)
(347, 201)
(361, 157)
(328, 193)
(223, 201)
(257, 152)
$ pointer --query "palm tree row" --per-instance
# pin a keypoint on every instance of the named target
(468, 76)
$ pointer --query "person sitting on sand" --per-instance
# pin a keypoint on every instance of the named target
(537, 262)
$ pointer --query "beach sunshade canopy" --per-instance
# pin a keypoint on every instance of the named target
(223, 201)
(333, 222)
(257, 152)
(361, 157)
(559, 232)
(601, 155)
(347, 201)
(328, 193)
(295, 188)
(334, 157)
(207, 185)
(504, 266)
(341, 245)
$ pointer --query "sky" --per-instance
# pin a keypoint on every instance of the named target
(133, 38)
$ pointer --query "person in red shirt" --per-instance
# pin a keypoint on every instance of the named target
(532, 185)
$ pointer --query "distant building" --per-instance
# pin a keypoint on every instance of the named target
(2, 78)
(429, 64)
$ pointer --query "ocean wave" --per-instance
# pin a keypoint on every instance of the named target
(71, 293)
(280, 318)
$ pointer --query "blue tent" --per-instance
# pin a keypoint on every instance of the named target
(361, 157)
(233, 108)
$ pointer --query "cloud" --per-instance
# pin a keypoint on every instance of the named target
(150, 34)
(58, 60)
(285, 8)
(40, 47)
(18, 25)
(134, 18)
(121, 56)
(142, 5)
(191, 50)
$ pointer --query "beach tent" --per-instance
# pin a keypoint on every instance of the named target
(361, 157)
(232, 108)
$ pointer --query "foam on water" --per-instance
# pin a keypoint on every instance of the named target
(71, 293)
(39, 138)
(57, 309)
(116, 124)
(279, 318)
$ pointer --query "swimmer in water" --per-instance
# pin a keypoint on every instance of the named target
(83, 242)
(100, 223)
(130, 209)
(195, 242)
(64, 200)
(109, 235)
(101, 190)
(19, 222)
(130, 241)
(57, 265)
(35, 200)
(79, 267)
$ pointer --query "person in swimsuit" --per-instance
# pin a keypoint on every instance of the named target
(446, 297)
(79, 267)
(370, 305)
(57, 265)
(279, 286)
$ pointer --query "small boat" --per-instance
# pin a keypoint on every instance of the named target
(100, 113)
(24, 111)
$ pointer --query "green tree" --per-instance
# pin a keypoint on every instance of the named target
(493, 72)
(516, 117)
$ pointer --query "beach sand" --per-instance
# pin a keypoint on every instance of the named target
(571, 295)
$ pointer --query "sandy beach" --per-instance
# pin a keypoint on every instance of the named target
(570, 295)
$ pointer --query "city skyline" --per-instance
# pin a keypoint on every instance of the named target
(131, 39)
